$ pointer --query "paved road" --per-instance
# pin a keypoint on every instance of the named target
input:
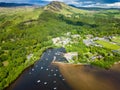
(43, 75)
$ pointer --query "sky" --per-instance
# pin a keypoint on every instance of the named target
(78, 3)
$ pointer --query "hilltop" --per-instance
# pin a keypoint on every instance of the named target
(62, 8)
(54, 6)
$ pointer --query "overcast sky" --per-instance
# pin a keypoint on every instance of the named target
(83, 3)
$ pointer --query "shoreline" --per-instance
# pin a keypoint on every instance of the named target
(58, 64)
(43, 72)
(84, 77)
(26, 67)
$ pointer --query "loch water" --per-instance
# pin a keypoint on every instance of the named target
(43, 75)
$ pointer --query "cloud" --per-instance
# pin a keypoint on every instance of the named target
(117, 4)
(104, 5)
(66, 1)
(79, 3)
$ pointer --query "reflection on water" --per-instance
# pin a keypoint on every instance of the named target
(43, 75)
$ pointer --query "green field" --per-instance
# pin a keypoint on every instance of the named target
(116, 39)
(108, 45)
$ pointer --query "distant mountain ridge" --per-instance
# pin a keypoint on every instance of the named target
(94, 8)
(4, 4)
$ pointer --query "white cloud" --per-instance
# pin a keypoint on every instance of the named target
(79, 3)
(66, 1)
(112, 5)
(117, 4)
(88, 3)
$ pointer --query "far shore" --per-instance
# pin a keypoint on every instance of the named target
(87, 77)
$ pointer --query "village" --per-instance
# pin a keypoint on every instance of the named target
(69, 39)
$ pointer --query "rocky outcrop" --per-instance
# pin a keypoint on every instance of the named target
(54, 6)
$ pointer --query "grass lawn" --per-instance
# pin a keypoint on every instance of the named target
(116, 39)
(108, 45)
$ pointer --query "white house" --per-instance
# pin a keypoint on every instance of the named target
(69, 56)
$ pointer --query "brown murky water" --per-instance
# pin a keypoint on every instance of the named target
(86, 77)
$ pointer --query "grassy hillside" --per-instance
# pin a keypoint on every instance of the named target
(62, 8)
(27, 31)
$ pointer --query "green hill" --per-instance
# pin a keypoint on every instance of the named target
(62, 8)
